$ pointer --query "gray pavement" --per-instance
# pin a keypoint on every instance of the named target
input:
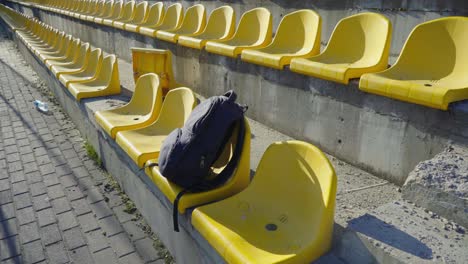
(56, 204)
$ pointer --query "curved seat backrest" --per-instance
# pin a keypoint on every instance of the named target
(73, 48)
(304, 170)
(99, 7)
(362, 37)
(155, 14)
(109, 73)
(221, 23)
(140, 12)
(173, 16)
(176, 107)
(255, 27)
(194, 19)
(127, 11)
(299, 30)
(435, 49)
(147, 92)
(91, 7)
(116, 10)
(106, 9)
(81, 56)
(94, 62)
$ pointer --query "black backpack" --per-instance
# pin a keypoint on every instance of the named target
(188, 153)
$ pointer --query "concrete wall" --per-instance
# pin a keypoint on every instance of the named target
(384, 136)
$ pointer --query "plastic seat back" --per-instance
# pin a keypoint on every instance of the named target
(141, 11)
(155, 14)
(127, 11)
(106, 9)
(147, 94)
(81, 55)
(172, 17)
(176, 107)
(221, 23)
(116, 10)
(109, 74)
(94, 62)
(255, 28)
(363, 39)
(194, 20)
(298, 32)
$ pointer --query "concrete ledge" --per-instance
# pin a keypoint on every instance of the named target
(381, 135)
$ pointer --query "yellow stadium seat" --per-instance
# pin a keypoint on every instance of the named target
(359, 44)
(193, 23)
(432, 67)
(171, 20)
(107, 11)
(78, 52)
(106, 83)
(154, 61)
(78, 64)
(238, 181)
(128, 12)
(141, 111)
(70, 53)
(220, 26)
(59, 37)
(92, 5)
(116, 11)
(81, 9)
(145, 143)
(297, 36)
(263, 224)
(139, 15)
(88, 74)
(153, 18)
(254, 31)
(99, 8)
(61, 52)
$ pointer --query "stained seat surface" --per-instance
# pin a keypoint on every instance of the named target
(238, 181)
(141, 111)
(297, 36)
(359, 44)
(145, 143)
(284, 216)
(153, 18)
(194, 22)
(431, 69)
(172, 20)
(92, 69)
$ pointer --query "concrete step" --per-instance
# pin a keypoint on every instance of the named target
(400, 232)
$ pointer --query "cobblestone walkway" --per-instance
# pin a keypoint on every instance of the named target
(56, 205)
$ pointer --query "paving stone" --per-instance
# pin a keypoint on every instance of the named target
(121, 244)
(67, 220)
(29, 232)
(37, 188)
(63, 170)
(81, 256)
(101, 209)
(50, 234)
(4, 184)
(111, 225)
(33, 177)
(74, 238)
(5, 197)
(46, 217)
(8, 228)
(133, 230)
(55, 191)
(7, 211)
(9, 247)
(106, 256)
(19, 188)
(57, 254)
(68, 181)
(61, 205)
(94, 195)
(22, 200)
(17, 177)
(33, 252)
(146, 250)
(97, 240)
(88, 222)
(81, 206)
(74, 193)
(47, 169)
(81, 172)
(132, 258)
(50, 180)
(26, 215)
(41, 202)
(121, 215)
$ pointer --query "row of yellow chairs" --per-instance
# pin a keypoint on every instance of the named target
(84, 70)
(358, 47)
(244, 221)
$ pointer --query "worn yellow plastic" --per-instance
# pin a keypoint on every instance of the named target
(359, 44)
(153, 18)
(70, 54)
(284, 216)
(142, 110)
(73, 58)
(193, 23)
(238, 181)
(432, 67)
(297, 36)
(60, 52)
(102, 5)
(53, 46)
(78, 62)
(89, 73)
(116, 12)
(145, 143)
(171, 20)
(140, 15)
(154, 61)
(220, 26)
(106, 83)
(254, 31)
(90, 8)
(128, 12)
(107, 11)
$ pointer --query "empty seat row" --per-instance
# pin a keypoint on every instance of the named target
(85, 71)
(359, 44)
(244, 221)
